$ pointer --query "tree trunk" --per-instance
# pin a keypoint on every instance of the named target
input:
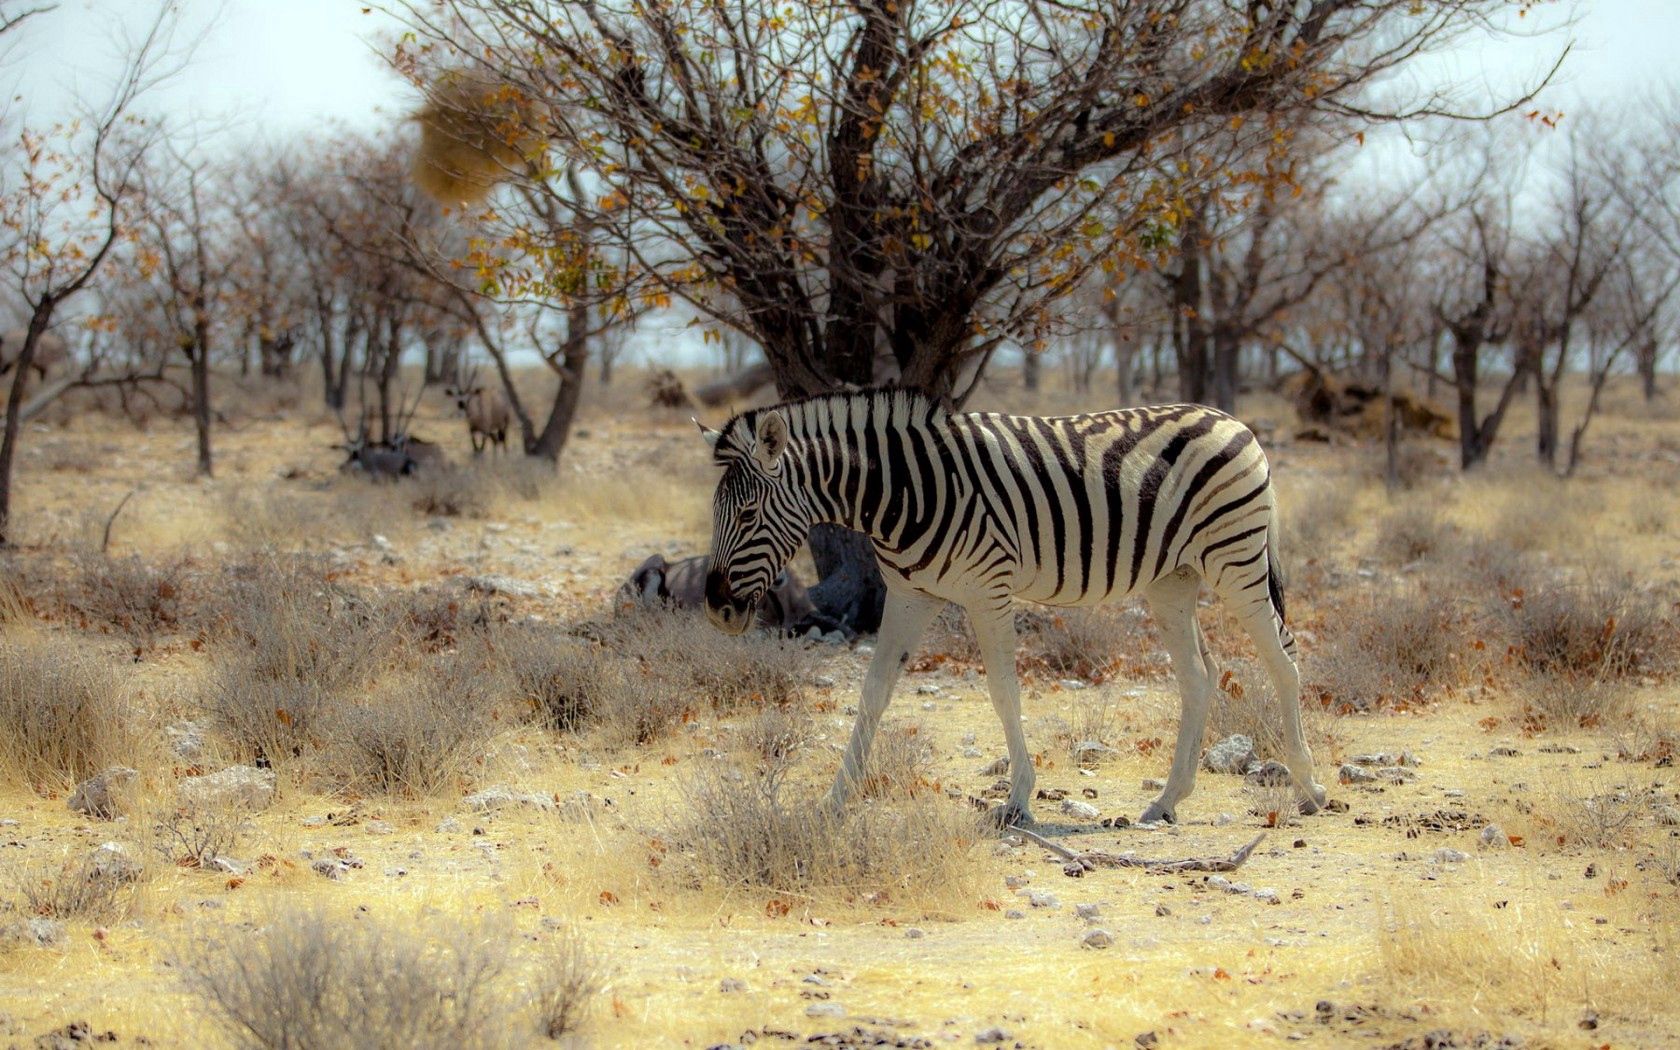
(1031, 363)
(1546, 422)
(849, 587)
(1648, 369)
(38, 321)
(574, 360)
(1125, 352)
(200, 358)
(1227, 353)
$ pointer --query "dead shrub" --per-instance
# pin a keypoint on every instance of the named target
(1389, 647)
(1086, 644)
(64, 714)
(900, 763)
(1411, 532)
(641, 671)
(1245, 703)
(298, 644)
(195, 833)
(129, 594)
(73, 889)
(743, 832)
(1093, 720)
(449, 492)
(568, 979)
(308, 981)
(1276, 804)
(775, 734)
(1601, 628)
(1317, 516)
(1605, 819)
(418, 731)
(1550, 701)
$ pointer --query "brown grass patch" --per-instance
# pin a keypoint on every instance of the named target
(64, 714)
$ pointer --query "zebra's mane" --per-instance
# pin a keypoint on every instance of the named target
(740, 433)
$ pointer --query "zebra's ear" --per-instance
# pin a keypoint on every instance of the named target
(772, 441)
(708, 433)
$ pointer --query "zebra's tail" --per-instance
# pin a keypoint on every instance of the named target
(1274, 583)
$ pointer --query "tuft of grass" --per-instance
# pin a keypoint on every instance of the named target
(451, 492)
(64, 714)
(900, 763)
(308, 980)
(130, 594)
(1411, 532)
(73, 889)
(195, 833)
(568, 979)
(1079, 643)
(745, 832)
(1245, 704)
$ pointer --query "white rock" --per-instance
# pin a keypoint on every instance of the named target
(243, 786)
(1231, 755)
(1448, 855)
(1096, 938)
(111, 861)
(1080, 810)
(500, 797)
(1494, 837)
(825, 1010)
(101, 795)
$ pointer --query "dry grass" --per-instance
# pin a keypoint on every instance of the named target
(1411, 532)
(1247, 705)
(131, 595)
(451, 492)
(1318, 515)
(900, 763)
(746, 832)
(418, 731)
(307, 980)
(568, 979)
(195, 833)
(1086, 644)
(1600, 628)
(1389, 646)
(64, 714)
(74, 889)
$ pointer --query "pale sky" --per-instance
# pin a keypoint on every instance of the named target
(293, 65)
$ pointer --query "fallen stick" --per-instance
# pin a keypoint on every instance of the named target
(1079, 863)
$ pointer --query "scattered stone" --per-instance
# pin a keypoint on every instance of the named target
(1222, 819)
(1448, 855)
(1352, 774)
(186, 739)
(1080, 810)
(1088, 912)
(991, 1035)
(235, 786)
(1234, 754)
(448, 826)
(228, 865)
(1096, 938)
(823, 681)
(730, 985)
(73, 1036)
(100, 796)
(927, 689)
(1503, 751)
(1494, 837)
(41, 932)
(1270, 773)
(1162, 911)
(500, 797)
(1267, 895)
(112, 863)
(1668, 816)
(329, 868)
(1073, 684)
(1088, 753)
(1396, 774)
(915, 933)
(1040, 899)
(1386, 758)
(1015, 882)
(1153, 784)
(972, 752)
(825, 1010)
(996, 769)
(1014, 913)
(1559, 749)
(1147, 1040)
(1088, 792)
(380, 827)
(815, 978)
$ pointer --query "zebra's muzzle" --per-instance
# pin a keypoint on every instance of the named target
(727, 611)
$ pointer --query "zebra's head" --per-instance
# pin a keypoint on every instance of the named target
(759, 517)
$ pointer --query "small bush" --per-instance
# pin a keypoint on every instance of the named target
(776, 734)
(900, 763)
(1079, 643)
(308, 981)
(1603, 628)
(743, 832)
(449, 492)
(416, 734)
(1411, 532)
(1317, 515)
(299, 644)
(64, 715)
(567, 981)
(1390, 647)
(196, 833)
(129, 594)
(1245, 703)
(74, 889)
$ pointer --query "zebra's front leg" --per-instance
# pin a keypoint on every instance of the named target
(995, 630)
(903, 621)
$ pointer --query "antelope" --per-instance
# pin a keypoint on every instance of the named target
(402, 455)
(486, 411)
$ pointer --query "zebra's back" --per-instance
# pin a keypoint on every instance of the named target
(1083, 509)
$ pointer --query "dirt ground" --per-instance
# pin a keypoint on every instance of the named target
(1397, 920)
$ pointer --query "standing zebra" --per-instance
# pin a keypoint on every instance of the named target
(980, 508)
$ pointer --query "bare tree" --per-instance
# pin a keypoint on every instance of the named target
(67, 205)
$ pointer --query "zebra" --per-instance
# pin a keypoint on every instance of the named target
(980, 509)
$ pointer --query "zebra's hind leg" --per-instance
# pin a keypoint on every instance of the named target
(1173, 601)
(1267, 631)
(995, 631)
(903, 620)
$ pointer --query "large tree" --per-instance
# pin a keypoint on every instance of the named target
(924, 177)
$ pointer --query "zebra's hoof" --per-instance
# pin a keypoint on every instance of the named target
(1315, 800)
(1010, 816)
(1157, 814)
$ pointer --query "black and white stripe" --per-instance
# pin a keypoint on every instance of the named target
(981, 509)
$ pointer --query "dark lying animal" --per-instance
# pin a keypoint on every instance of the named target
(682, 585)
